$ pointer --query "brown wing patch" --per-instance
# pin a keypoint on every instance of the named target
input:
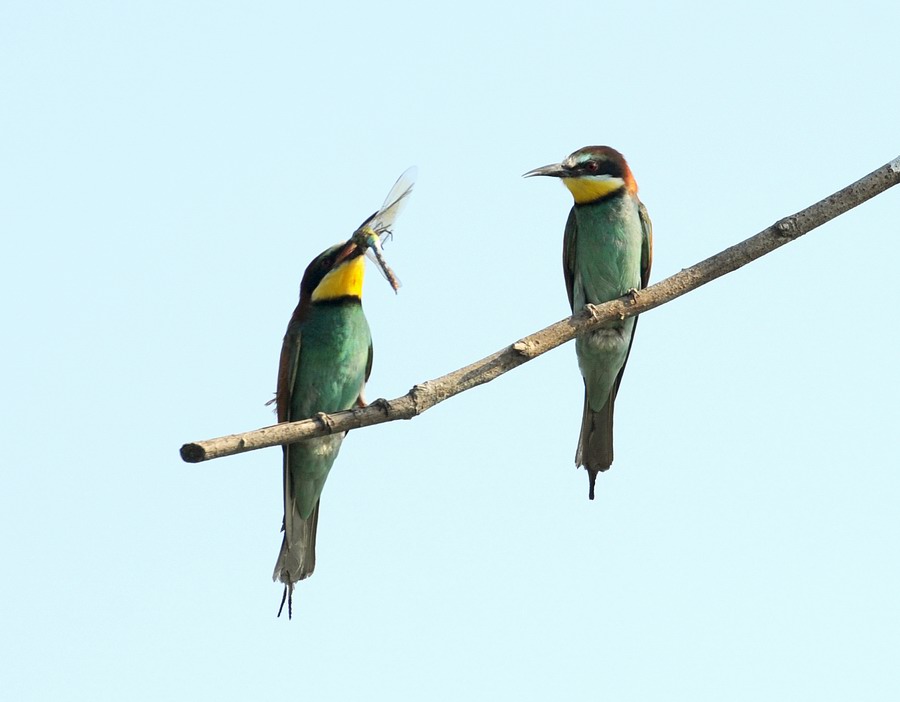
(288, 363)
(647, 247)
(571, 234)
(287, 373)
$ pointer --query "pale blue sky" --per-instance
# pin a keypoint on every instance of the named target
(168, 169)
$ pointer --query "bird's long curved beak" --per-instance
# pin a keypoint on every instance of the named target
(346, 252)
(555, 170)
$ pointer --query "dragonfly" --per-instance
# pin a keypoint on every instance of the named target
(371, 234)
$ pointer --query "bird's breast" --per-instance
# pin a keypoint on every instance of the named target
(334, 352)
(608, 251)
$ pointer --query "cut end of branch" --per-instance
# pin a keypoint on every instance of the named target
(526, 349)
(193, 453)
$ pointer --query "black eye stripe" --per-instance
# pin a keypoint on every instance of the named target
(604, 167)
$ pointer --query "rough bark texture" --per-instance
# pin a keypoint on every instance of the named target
(431, 392)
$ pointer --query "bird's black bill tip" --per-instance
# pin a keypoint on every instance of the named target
(554, 170)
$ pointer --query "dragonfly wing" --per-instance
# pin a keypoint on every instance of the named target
(383, 220)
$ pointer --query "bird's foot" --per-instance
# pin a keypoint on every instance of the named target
(325, 419)
(381, 404)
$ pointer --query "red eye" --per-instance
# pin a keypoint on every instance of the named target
(592, 166)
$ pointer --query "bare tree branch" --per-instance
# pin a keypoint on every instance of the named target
(431, 392)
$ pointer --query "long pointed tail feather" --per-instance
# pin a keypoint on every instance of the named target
(595, 443)
(297, 558)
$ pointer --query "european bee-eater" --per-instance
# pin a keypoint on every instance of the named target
(325, 362)
(607, 252)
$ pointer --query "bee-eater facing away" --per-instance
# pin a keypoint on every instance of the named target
(325, 362)
(607, 252)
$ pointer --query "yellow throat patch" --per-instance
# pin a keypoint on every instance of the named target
(345, 280)
(587, 188)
